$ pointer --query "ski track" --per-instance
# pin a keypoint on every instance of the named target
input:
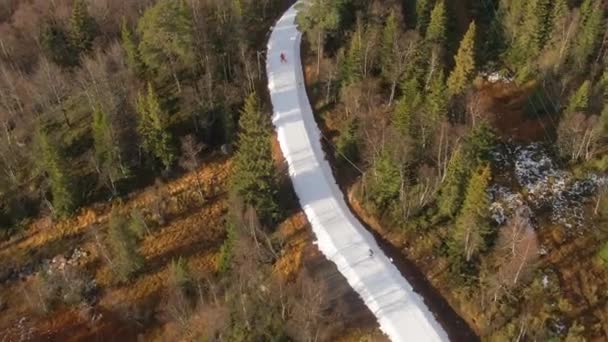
(401, 313)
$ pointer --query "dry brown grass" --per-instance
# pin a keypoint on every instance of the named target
(193, 233)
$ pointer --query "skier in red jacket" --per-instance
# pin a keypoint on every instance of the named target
(283, 58)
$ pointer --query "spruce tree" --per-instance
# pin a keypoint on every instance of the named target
(153, 129)
(579, 101)
(254, 175)
(386, 182)
(82, 27)
(472, 225)
(452, 188)
(407, 106)
(477, 145)
(437, 31)
(387, 49)
(107, 155)
(423, 10)
(347, 149)
(592, 17)
(436, 100)
(167, 39)
(131, 49)
(58, 173)
(352, 62)
(464, 69)
(122, 244)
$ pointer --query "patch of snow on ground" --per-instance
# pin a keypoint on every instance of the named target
(544, 186)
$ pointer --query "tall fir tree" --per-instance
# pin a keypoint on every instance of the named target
(464, 69)
(107, 155)
(386, 181)
(452, 187)
(472, 225)
(353, 60)
(423, 10)
(58, 172)
(579, 101)
(587, 41)
(131, 49)
(437, 102)
(82, 27)
(254, 175)
(153, 128)
(407, 106)
(436, 32)
(166, 32)
(122, 244)
(389, 37)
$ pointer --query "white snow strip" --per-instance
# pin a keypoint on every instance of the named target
(401, 312)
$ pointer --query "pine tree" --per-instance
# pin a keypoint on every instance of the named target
(386, 182)
(131, 49)
(347, 149)
(107, 151)
(435, 111)
(452, 188)
(477, 145)
(353, 60)
(153, 128)
(579, 101)
(387, 49)
(436, 100)
(423, 10)
(122, 244)
(57, 170)
(167, 39)
(464, 69)
(472, 225)
(407, 105)
(82, 27)
(592, 17)
(437, 31)
(254, 177)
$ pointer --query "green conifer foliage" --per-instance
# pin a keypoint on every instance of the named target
(423, 10)
(254, 178)
(58, 172)
(464, 69)
(389, 38)
(472, 225)
(122, 244)
(437, 31)
(153, 128)
(167, 38)
(452, 188)
(579, 101)
(131, 49)
(107, 151)
(386, 182)
(407, 105)
(82, 27)
(587, 41)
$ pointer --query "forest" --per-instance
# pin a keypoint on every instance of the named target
(140, 194)
(473, 135)
(143, 196)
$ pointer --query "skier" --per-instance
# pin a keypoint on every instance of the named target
(283, 58)
(371, 253)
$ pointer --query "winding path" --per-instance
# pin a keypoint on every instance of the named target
(401, 312)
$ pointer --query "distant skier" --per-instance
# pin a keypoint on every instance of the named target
(371, 253)
(283, 58)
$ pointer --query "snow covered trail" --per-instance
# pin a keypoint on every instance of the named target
(401, 312)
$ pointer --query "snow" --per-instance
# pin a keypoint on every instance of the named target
(401, 313)
(543, 186)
